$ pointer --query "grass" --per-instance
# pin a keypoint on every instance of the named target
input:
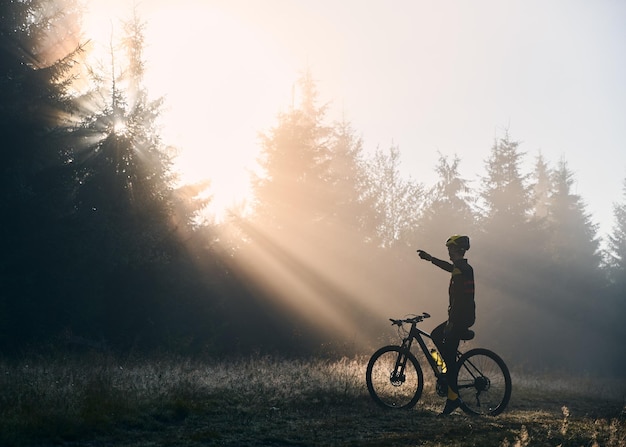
(102, 401)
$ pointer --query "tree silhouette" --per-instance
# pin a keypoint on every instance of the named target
(449, 206)
(37, 54)
(348, 180)
(617, 244)
(100, 241)
(506, 231)
(573, 238)
(504, 194)
(507, 252)
(541, 189)
(396, 201)
(574, 287)
(129, 218)
(295, 160)
(613, 304)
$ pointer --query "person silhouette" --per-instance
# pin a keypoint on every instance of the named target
(461, 312)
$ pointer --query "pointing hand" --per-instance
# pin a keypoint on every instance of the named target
(424, 255)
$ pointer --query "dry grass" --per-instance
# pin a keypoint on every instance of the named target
(101, 401)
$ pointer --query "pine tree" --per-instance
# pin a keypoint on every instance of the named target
(507, 253)
(127, 215)
(573, 245)
(295, 159)
(505, 194)
(396, 201)
(449, 207)
(306, 234)
(506, 230)
(617, 244)
(574, 242)
(348, 177)
(574, 292)
(126, 182)
(37, 54)
(541, 189)
(614, 308)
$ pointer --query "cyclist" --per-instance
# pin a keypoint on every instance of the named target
(461, 311)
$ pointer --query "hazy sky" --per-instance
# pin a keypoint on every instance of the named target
(428, 76)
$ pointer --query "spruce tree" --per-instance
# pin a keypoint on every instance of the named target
(505, 194)
(616, 250)
(348, 177)
(396, 201)
(505, 230)
(613, 308)
(574, 295)
(37, 57)
(292, 190)
(449, 206)
(541, 189)
(574, 244)
(507, 252)
(125, 218)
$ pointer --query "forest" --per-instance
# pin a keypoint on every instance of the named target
(105, 249)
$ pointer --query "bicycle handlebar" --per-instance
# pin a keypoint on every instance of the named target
(415, 319)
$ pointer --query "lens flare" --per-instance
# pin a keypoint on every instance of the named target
(120, 128)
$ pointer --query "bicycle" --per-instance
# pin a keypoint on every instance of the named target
(395, 380)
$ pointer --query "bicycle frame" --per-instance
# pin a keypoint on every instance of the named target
(416, 333)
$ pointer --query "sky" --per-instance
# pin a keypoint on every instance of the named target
(430, 77)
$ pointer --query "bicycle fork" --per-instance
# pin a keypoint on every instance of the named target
(397, 376)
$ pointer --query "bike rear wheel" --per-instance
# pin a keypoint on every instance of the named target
(484, 382)
(394, 378)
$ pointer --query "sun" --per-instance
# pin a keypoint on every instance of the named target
(120, 128)
(223, 82)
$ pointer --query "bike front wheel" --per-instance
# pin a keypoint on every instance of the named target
(484, 382)
(394, 378)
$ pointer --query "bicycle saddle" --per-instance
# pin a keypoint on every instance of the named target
(468, 335)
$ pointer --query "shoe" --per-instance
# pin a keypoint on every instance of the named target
(451, 405)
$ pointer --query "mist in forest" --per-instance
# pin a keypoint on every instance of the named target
(340, 250)
(107, 248)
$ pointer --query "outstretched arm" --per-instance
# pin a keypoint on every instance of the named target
(438, 262)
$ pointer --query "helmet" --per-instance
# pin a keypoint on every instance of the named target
(458, 241)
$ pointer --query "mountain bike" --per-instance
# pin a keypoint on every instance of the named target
(395, 380)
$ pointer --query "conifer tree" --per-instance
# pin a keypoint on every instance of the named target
(617, 245)
(506, 202)
(305, 226)
(126, 183)
(348, 177)
(541, 188)
(573, 287)
(614, 306)
(505, 194)
(38, 48)
(507, 250)
(449, 206)
(292, 191)
(573, 237)
(396, 201)
(126, 205)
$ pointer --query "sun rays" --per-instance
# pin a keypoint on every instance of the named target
(209, 67)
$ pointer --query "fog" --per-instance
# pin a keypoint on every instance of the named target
(102, 244)
(541, 304)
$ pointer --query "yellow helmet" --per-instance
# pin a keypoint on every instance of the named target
(458, 241)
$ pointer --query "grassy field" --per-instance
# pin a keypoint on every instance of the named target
(263, 401)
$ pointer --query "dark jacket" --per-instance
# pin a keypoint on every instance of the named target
(462, 308)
